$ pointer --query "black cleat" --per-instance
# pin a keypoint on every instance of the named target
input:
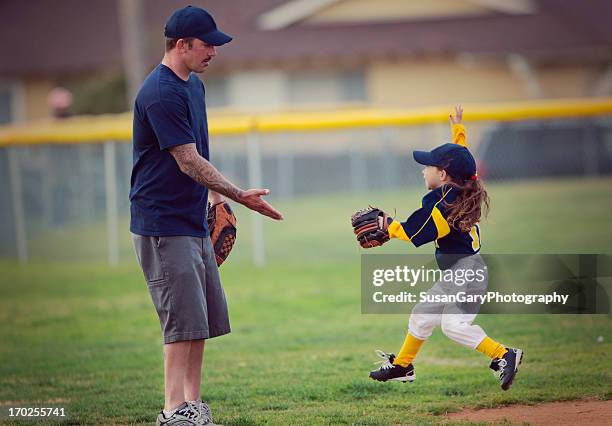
(506, 368)
(390, 372)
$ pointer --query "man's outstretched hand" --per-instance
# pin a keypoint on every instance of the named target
(251, 198)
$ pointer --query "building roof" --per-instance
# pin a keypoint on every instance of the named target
(72, 36)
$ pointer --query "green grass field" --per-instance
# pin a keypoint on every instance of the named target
(81, 335)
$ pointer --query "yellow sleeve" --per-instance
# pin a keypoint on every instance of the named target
(396, 230)
(459, 134)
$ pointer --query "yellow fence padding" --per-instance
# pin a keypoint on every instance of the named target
(118, 127)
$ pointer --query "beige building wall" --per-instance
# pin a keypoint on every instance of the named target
(35, 97)
(569, 81)
(415, 83)
(257, 90)
(399, 84)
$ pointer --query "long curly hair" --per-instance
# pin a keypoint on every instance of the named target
(471, 202)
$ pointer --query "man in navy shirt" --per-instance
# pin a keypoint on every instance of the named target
(172, 179)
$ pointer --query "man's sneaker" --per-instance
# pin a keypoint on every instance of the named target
(390, 372)
(183, 416)
(204, 413)
(506, 368)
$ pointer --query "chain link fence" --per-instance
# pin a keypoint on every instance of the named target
(70, 202)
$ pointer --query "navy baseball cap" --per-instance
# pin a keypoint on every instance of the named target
(195, 22)
(455, 159)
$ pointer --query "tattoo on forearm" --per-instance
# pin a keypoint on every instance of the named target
(206, 174)
(202, 171)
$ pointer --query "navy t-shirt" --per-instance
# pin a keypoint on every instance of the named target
(168, 112)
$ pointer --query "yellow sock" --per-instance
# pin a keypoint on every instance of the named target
(491, 348)
(408, 351)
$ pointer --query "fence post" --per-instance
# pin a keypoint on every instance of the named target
(46, 187)
(255, 179)
(112, 215)
(18, 211)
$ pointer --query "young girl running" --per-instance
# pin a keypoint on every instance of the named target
(449, 217)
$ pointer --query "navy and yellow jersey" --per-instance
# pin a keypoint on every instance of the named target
(429, 224)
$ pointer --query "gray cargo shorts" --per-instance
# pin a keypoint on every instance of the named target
(184, 283)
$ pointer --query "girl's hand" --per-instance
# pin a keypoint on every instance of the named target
(456, 119)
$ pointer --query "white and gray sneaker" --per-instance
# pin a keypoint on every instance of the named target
(204, 413)
(183, 416)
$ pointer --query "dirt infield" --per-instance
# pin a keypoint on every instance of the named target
(581, 412)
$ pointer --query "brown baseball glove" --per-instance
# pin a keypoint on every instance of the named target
(222, 227)
(371, 227)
